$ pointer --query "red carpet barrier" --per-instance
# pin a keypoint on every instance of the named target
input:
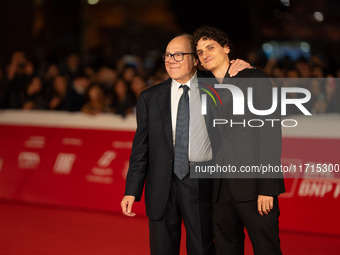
(312, 202)
(67, 159)
(71, 159)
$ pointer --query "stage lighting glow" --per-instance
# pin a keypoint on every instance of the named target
(304, 47)
(285, 2)
(92, 2)
(318, 16)
(267, 48)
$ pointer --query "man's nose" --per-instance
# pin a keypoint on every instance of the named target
(205, 55)
(172, 59)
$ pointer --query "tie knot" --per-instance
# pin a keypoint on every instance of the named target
(185, 88)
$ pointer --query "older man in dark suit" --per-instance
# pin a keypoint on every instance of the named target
(167, 126)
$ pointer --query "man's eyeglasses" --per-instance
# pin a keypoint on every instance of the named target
(178, 57)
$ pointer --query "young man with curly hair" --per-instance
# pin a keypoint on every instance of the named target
(243, 202)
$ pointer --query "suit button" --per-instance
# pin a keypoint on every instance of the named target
(169, 179)
(170, 160)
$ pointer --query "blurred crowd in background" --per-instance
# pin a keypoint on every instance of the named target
(72, 85)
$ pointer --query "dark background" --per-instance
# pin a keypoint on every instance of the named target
(50, 29)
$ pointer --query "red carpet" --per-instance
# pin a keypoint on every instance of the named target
(30, 229)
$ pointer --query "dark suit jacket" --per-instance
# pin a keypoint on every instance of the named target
(151, 160)
(246, 146)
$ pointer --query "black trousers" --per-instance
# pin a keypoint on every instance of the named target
(229, 219)
(190, 201)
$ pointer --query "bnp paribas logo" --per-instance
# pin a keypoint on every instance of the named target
(213, 95)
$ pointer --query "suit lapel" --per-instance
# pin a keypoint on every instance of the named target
(164, 104)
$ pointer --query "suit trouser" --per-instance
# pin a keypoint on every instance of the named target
(230, 217)
(190, 200)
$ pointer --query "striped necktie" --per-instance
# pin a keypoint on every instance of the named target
(181, 161)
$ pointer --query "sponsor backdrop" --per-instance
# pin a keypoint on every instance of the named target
(70, 159)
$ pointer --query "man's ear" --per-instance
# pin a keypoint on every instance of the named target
(226, 49)
(195, 60)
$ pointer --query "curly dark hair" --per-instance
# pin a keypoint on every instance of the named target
(213, 33)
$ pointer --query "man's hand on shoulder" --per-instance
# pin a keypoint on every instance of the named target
(264, 204)
(238, 65)
(126, 205)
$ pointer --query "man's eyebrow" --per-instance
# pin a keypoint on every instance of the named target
(178, 51)
(212, 44)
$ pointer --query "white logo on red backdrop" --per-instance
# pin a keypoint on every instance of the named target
(310, 185)
(35, 142)
(291, 178)
(28, 160)
(122, 144)
(103, 174)
(319, 188)
(72, 141)
(64, 163)
(107, 158)
(319, 183)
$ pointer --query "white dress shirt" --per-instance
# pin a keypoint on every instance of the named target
(199, 142)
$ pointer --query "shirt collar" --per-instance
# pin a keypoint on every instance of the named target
(189, 83)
